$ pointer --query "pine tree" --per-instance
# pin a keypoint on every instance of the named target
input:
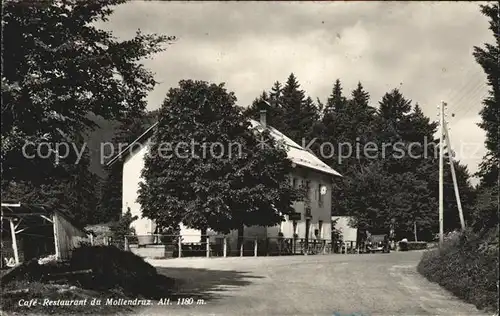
(486, 209)
(260, 103)
(358, 123)
(299, 113)
(336, 101)
(488, 58)
(348, 125)
(321, 108)
(391, 123)
(331, 127)
(310, 118)
(271, 102)
(276, 91)
(393, 110)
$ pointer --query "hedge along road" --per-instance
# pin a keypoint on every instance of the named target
(366, 284)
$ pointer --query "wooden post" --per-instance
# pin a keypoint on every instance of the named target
(125, 243)
(225, 247)
(415, 230)
(454, 176)
(14, 240)
(91, 239)
(55, 223)
(255, 248)
(180, 246)
(241, 248)
(441, 174)
(208, 246)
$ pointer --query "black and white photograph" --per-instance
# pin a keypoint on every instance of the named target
(273, 158)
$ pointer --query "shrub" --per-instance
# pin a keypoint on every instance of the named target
(116, 269)
(485, 212)
(412, 245)
(467, 266)
(122, 228)
(29, 270)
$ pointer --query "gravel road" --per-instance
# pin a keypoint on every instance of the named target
(370, 284)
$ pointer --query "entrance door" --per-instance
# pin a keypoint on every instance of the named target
(294, 240)
(308, 227)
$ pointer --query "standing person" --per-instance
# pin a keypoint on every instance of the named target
(387, 246)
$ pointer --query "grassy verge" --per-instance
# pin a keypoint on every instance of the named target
(467, 266)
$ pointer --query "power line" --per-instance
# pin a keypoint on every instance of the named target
(472, 98)
(465, 93)
(471, 87)
(471, 108)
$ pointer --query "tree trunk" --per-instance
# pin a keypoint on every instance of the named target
(240, 236)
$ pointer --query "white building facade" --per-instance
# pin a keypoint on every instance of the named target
(314, 221)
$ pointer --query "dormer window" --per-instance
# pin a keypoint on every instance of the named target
(308, 188)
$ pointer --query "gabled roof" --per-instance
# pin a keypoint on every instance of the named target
(140, 140)
(296, 153)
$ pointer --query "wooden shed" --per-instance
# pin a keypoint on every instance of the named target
(33, 231)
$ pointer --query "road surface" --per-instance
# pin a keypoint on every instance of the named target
(369, 284)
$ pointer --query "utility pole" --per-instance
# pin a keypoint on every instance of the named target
(441, 173)
(454, 176)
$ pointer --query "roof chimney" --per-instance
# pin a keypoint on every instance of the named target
(263, 118)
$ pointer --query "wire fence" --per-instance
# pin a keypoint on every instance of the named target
(176, 246)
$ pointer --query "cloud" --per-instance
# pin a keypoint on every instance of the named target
(424, 48)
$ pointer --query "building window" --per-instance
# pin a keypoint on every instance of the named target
(320, 196)
(308, 189)
(295, 183)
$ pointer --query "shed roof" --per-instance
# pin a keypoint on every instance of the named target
(23, 209)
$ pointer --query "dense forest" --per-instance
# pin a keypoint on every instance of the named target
(378, 187)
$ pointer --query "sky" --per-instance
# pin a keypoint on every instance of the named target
(422, 48)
